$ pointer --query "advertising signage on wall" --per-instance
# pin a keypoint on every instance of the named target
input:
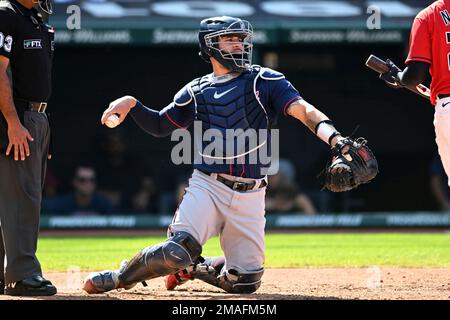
(275, 22)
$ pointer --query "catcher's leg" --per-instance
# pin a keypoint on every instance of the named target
(195, 221)
(198, 215)
(176, 253)
(212, 272)
(242, 240)
(232, 281)
(207, 267)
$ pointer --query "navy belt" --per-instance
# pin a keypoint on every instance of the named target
(444, 95)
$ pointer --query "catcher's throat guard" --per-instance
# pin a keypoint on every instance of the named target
(353, 163)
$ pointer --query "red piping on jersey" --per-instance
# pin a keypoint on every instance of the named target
(231, 170)
(288, 104)
(243, 168)
(174, 123)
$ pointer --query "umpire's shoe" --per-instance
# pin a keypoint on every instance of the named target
(32, 286)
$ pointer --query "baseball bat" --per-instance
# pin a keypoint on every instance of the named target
(380, 66)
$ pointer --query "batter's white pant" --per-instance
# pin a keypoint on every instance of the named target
(442, 129)
(211, 208)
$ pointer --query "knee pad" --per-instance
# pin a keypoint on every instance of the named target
(180, 251)
(176, 253)
(233, 281)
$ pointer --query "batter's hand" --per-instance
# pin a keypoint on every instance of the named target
(121, 107)
(391, 77)
(18, 137)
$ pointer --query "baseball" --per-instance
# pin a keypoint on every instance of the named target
(112, 121)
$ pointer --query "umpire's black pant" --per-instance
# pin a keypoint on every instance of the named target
(21, 184)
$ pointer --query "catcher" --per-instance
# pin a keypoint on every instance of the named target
(226, 197)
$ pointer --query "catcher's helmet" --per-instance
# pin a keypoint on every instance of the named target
(45, 5)
(211, 29)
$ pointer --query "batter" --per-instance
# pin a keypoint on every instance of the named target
(429, 53)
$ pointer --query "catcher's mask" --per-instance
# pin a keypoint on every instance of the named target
(45, 5)
(211, 31)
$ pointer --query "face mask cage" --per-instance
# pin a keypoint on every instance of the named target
(46, 6)
(229, 57)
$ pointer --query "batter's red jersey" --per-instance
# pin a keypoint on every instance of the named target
(430, 42)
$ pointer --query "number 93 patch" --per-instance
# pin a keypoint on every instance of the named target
(6, 42)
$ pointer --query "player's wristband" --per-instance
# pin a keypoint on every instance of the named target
(332, 136)
(328, 121)
(326, 131)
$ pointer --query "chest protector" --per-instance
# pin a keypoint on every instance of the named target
(234, 123)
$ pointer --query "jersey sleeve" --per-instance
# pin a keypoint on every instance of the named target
(162, 123)
(7, 32)
(179, 114)
(281, 94)
(420, 40)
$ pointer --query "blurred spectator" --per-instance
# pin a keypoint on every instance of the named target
(123, 177)
(144, 201)
(169, 201)
(183, 183)
(284, 195)
(51, 183)
(439, 183)
(83, 200)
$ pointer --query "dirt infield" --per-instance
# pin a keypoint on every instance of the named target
(284, 284)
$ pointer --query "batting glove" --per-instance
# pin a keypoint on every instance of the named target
(391, 77)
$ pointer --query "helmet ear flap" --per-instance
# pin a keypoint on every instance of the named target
(46, 6)
(204, 56)
(205, 44)
(203, 52)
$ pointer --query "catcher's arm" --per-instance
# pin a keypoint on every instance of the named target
(346, 171)
(157, 123)
(315, 120)
(387, 70)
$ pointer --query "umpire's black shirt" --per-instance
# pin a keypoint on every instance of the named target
(28, 42)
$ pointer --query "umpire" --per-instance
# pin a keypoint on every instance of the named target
(26, 53)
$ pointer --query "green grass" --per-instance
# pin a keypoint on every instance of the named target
(282, 250)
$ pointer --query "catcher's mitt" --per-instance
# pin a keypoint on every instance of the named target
(353, 163)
